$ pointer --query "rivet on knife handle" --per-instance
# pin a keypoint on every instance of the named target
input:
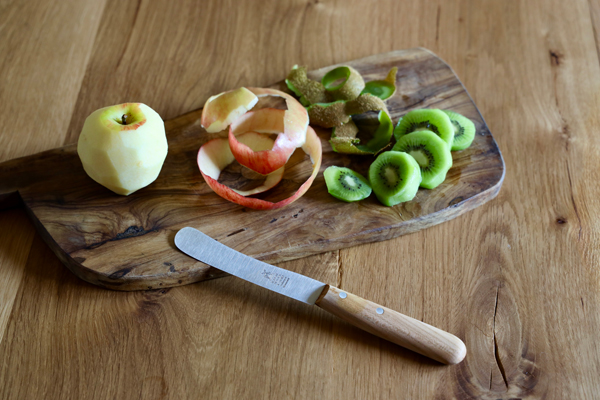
(393, 326)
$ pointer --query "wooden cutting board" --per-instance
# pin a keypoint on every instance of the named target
(126, 243)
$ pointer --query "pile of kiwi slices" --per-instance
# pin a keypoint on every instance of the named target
(420, 158)
(424, 138)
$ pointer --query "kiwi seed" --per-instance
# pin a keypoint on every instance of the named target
(432, 120)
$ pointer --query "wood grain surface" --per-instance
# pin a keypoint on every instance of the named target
(126, 242)
(518, 279)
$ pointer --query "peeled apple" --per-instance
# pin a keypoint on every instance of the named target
(123, 147)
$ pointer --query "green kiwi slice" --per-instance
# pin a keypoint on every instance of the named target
(307, 90)
(432, 120)
(431, 153)
(464, 130)
(343, 83)
(346, 185)
(384, 89)
(394, 177)
(344, 140)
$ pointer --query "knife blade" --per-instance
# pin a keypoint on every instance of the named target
(204, 248)
(369, 316)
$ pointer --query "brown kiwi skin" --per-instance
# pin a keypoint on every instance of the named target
(338, 113)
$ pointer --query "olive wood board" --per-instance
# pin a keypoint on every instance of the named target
(126, 242)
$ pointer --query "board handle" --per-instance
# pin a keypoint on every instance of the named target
(393, 326)
(25, 172)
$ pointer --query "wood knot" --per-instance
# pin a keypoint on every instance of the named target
(171, 266)
(132, 231)
(561, 221)
(555, 58)
(120, 273)
(455, 201)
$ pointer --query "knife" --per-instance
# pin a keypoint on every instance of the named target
(371, 317)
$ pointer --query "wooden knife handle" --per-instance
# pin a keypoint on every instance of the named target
(393, 326)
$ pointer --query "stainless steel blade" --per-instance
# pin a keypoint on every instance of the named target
(204, 248)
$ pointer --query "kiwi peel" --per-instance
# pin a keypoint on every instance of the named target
(432, 120)
(346, 185)
(307, 90)
(384, 89)
(365, 102)
(347, 131)
(395, 177)
(464, 130)
(343, 83)
(382, 136)
(344, 140)
(328, 115)
(430, 152)
(337, 113)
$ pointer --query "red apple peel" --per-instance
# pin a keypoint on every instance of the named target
(266, 120)
(292, 130)
(215, 156)
(207, 165)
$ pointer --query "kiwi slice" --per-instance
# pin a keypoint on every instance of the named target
(432, 120)
(431, 153)
(345, 184)
(343, 83)
(384, 89)
(395, 177)
(464, 130)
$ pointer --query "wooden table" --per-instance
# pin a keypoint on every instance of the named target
(517, 279)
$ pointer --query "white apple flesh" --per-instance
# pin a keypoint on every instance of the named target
(123, 147)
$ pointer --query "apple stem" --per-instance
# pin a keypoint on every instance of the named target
(124, 119)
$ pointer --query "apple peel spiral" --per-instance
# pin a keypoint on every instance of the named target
(291, 126)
